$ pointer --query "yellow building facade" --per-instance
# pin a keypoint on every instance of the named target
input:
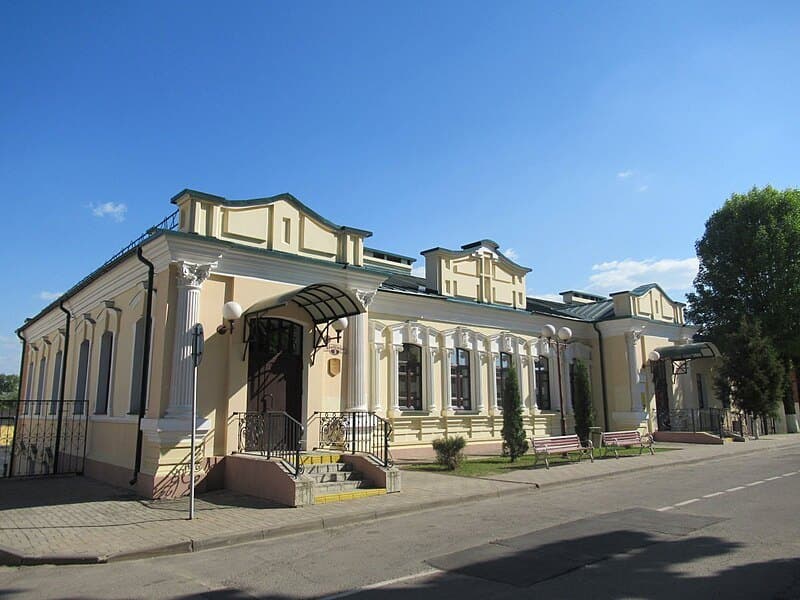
(329, 325)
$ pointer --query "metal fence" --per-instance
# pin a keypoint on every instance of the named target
(274, 434)
(710, 420)
(355, 431)
(42, 437)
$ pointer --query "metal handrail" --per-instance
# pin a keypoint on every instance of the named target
(273, 434)
(355, 431)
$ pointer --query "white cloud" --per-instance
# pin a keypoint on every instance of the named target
(49, 296)
(511, 254)
(418, 271)
(672, 274)
(114, 210)
(642, 188)
(624, 174)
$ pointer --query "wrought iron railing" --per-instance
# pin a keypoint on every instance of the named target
(710, 420)
(274, 434)
(355, 431)
(42, 437)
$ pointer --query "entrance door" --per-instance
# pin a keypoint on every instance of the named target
(662, 397)
(275, 367)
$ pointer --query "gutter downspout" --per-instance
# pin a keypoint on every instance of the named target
(61, 388)
(148, 327)
(602, 375)
(19, 403)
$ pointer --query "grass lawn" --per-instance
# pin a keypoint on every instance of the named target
(491, 465)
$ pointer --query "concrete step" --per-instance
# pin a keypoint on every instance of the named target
(319, 459)
(353, 495)
(339, 487)
(328, 468)
(336, 477)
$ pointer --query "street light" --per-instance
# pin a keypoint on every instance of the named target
(558, 339)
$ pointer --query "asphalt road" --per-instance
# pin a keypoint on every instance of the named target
(726, 528)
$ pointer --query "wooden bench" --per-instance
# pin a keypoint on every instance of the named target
(560, 444)
(625, 439)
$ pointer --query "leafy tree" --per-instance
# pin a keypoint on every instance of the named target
(753, 376)
(9, 389)
(513, 431)
(582, 401)
(750, 268)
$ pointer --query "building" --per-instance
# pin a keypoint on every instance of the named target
(329, 326)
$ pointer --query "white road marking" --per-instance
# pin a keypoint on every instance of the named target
(685, 502)
(663, 508)
(759, 482)
(735, 489)
(789, 474)
(713, 495)
(380, 584)
(773, 478)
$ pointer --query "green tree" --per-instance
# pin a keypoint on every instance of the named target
(752, 377)
(582, 406)
(513, 431)
(750, 268)
(9, 389)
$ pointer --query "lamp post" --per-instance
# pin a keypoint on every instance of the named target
(558, 339)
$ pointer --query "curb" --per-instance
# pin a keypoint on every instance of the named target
(13, 559)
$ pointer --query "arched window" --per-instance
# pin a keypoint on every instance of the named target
(542, 366)
(28, 390)
(459, 380)
(138, 366)
(104, 373)
(501, 366)
(80, 383)
(56, 387)
(409, 377)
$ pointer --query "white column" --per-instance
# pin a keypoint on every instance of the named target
(394, 373)
(478, 393)
(190, 280)
(358, 357)
(377, 348)
(632, 337)
(532, 380)
(447, 394)
(430, 397)
(524, 399)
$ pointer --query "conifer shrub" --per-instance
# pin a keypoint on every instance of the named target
(515, 443)
(449, 451)
(582, 402)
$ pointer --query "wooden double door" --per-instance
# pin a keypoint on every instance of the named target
(275, 366)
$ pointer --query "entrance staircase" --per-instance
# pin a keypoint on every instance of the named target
(335, 480)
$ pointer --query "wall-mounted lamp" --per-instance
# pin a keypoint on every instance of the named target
(231, 311)
(654, 356)
(322, 336)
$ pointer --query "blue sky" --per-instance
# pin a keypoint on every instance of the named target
(590, 140)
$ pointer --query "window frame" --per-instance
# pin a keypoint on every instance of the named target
(104, 379)
(403, 401)
(460, 380)
(541, 367)
(501, 374)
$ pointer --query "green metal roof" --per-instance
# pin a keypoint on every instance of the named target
(689, 351)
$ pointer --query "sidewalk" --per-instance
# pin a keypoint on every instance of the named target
(71, 520)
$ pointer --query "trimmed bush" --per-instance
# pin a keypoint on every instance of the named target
(514, 442)
(449, 451)
(582, 402)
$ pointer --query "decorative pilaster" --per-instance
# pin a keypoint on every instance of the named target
(493, 408)
(478, 395)
(633, 337)
(190, 279)
(430, 353)
(377, 349)
(447, 393)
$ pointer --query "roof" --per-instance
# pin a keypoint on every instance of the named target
(287, 197)
(392, 254)
(586, 295)
(467, 249)
(408, 283)
(594, 311)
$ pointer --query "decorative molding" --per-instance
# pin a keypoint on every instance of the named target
(193, 274)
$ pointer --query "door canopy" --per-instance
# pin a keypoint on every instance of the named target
(682, 354)
(325, 303)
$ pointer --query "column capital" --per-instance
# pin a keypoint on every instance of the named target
(193, 275)
(365, 296)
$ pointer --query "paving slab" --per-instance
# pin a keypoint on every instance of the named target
(78, 520)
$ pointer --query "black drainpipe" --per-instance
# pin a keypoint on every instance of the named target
(602, 375)
(64, 356)
(19, 403)
(148, 317)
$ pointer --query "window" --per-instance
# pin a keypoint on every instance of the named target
(409, 377)
(37, 409)
(542, 367)
(138, 366)
(701, 400)
(80, 383)
(28, 390)
(104, 373)
(501, 366)
(56, 383)
(459, 380)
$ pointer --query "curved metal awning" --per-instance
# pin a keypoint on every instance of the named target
(689, 351)
(324, 302)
